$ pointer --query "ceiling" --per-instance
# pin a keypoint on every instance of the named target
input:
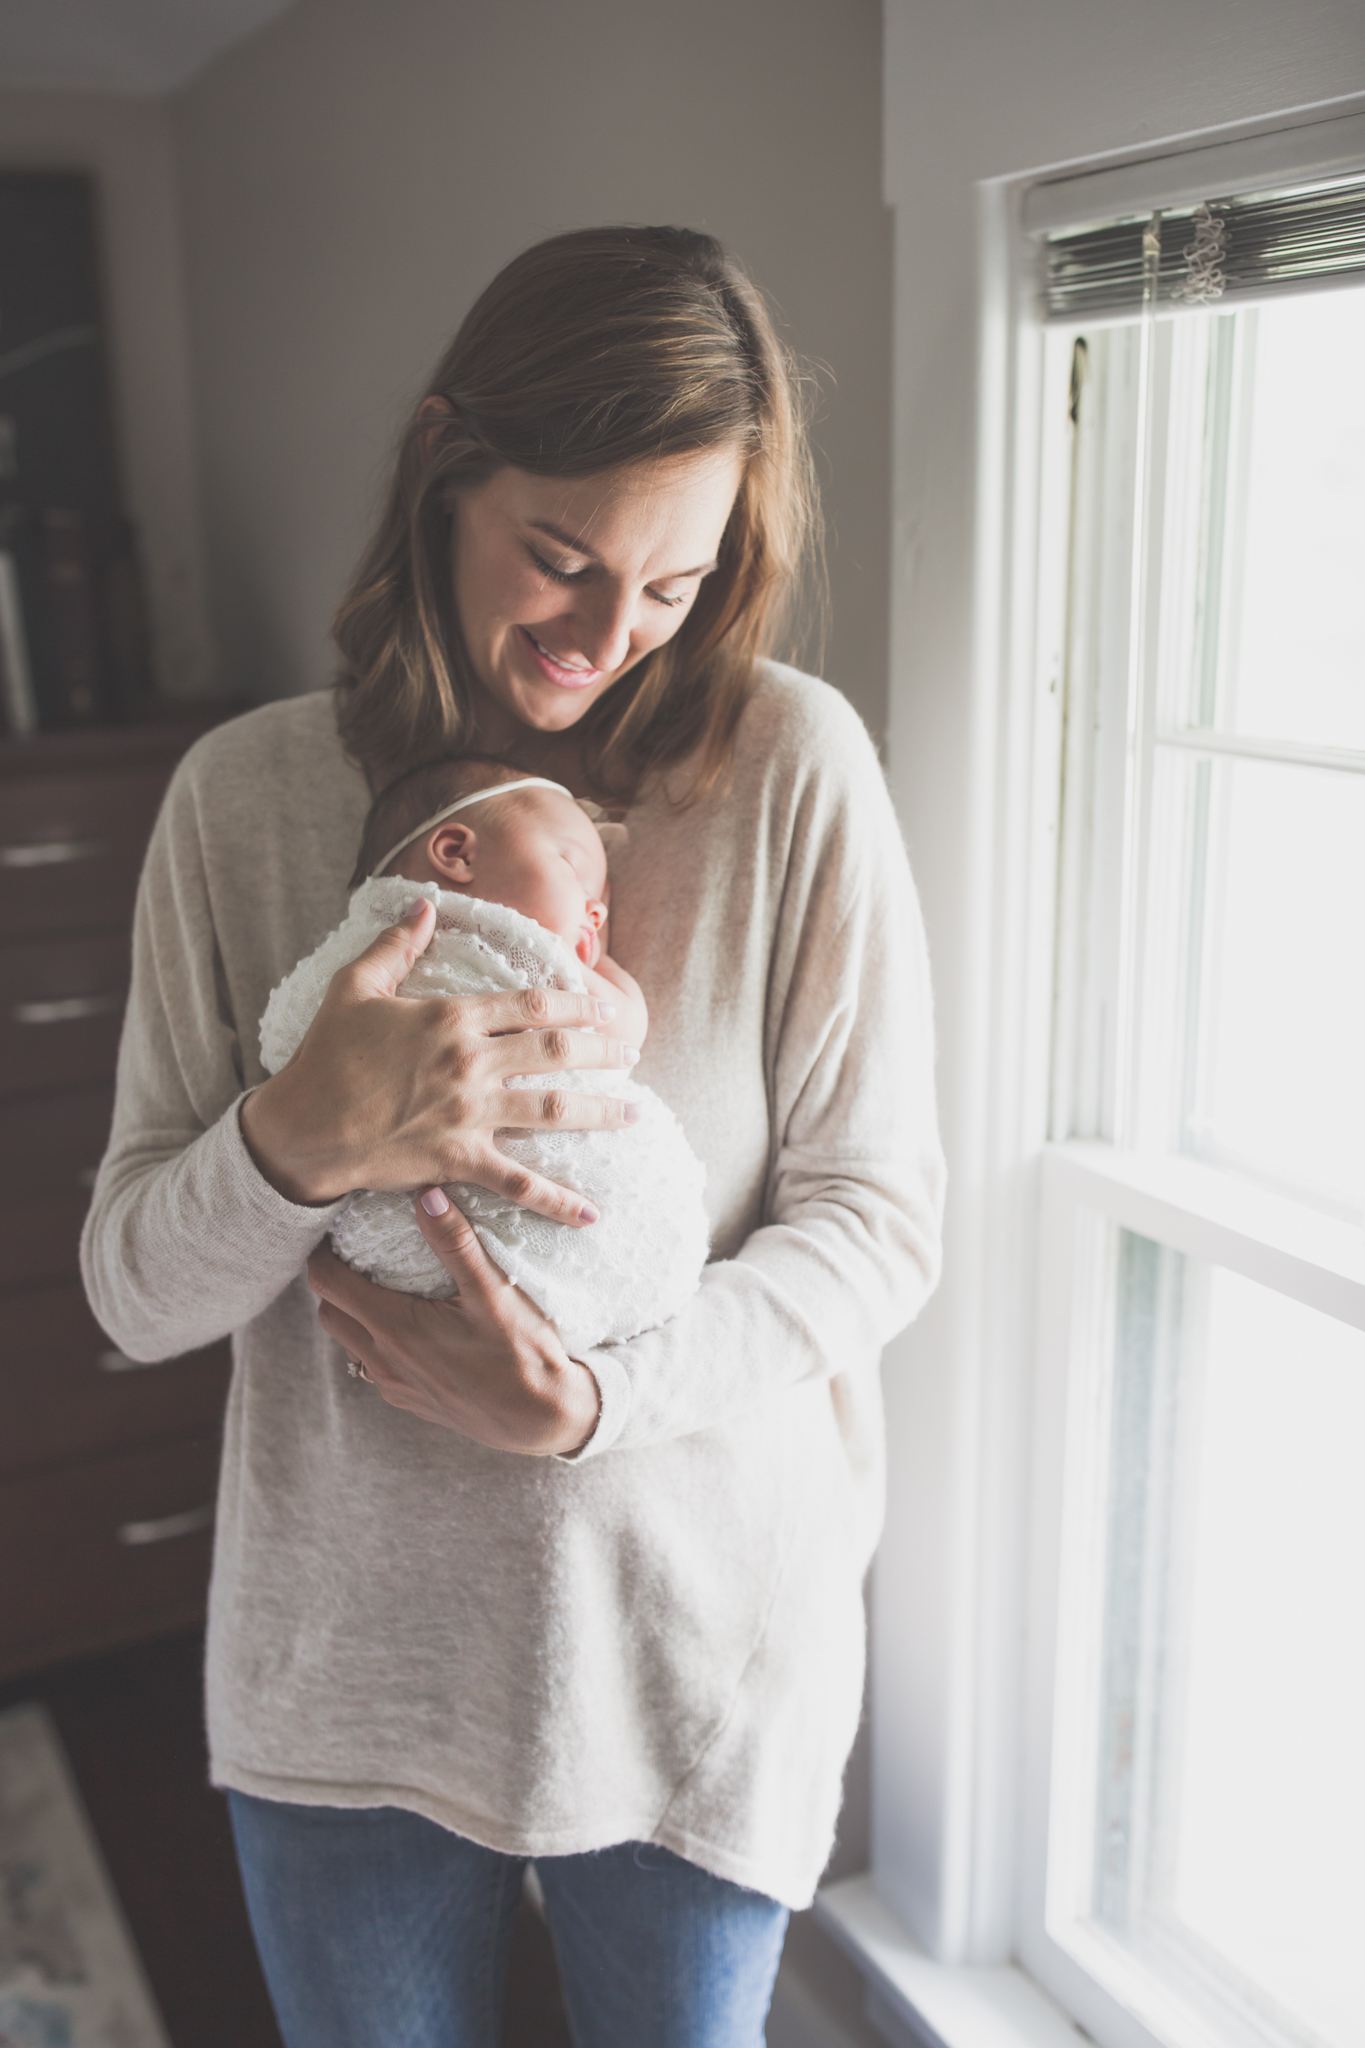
(129, 46)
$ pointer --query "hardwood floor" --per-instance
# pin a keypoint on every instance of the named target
(132, 1724)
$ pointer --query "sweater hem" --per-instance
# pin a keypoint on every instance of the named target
(752, 1873)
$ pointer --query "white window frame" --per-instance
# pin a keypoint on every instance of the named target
(949, 1927)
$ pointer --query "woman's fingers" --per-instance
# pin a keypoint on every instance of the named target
(343, 1293)
(493, 1170)
(388, 961)
(535, 1009)
(354, 1339)
(558, 1051)
(557, 1109)
(451, 1236)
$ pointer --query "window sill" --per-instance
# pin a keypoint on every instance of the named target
(1211, 1214)
(914, 2000)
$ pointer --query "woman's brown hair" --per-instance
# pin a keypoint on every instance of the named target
(595, 349)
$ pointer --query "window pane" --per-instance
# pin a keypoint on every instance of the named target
(1276, 919)
(1230, 1818)
(1297, 639)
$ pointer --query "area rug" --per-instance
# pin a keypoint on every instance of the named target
(69, 1974)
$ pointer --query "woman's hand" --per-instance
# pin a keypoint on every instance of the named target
(487, 1363)
(384, 1092)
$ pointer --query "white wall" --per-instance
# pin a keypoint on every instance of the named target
(354, 175)
(979, 90)
(126, 142)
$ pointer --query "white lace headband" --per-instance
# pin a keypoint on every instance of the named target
(593, 812)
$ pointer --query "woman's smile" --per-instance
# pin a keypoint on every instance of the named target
(568, 675)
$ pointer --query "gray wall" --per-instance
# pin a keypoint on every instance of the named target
(352, 176)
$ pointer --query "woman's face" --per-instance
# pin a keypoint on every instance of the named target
(562, 584)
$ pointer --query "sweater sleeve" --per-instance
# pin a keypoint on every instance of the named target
(849, 1249)
(185, 1239)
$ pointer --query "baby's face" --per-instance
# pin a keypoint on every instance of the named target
(534, 852)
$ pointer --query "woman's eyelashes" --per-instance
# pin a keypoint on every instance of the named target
(577, 575)
(555, 575)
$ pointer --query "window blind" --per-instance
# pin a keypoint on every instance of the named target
(1193, 256)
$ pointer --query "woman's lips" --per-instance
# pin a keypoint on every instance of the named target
(567, 678)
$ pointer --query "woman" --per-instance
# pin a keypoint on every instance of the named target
(500, 1604)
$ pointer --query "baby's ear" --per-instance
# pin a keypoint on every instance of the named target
(451, 850)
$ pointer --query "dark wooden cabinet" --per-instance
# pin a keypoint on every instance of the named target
(107, 1467)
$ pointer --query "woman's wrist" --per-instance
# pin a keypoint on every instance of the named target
(270, 1132)
(584, 1410)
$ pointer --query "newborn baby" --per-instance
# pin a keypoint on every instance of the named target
(518, 884)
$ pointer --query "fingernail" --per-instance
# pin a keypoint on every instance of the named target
(606, 1009)
(587, 1214)
(629, 1056)
(434, 1202)
(630, 1112)
(414, 911)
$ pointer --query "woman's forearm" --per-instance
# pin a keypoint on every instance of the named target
(815, 1295)
(187, 1241)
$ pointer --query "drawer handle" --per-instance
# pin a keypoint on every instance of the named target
(118, 1361)
(52, 853)
(69, 1009)
(166, 1528)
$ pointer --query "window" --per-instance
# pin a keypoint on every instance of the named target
(1195, 1855)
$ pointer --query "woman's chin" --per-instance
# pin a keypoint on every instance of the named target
(542, 705)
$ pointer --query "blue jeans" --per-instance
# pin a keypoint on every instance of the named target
(378, 1929)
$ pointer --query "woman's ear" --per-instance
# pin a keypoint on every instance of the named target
(451, 850)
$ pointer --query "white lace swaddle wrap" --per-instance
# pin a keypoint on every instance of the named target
(628, 1272)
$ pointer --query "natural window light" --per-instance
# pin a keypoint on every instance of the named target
(1232, 1692)
(1201, 1858)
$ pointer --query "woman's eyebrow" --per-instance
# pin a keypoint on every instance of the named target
(580, 547)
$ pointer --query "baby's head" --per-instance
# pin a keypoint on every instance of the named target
(531, 849)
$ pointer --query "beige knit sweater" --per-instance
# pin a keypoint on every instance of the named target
(661, 1639)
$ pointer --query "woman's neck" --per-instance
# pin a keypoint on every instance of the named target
(557, 755)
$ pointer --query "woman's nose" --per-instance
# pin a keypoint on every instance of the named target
(605, 632)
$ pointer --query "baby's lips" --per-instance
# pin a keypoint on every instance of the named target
(589, 949)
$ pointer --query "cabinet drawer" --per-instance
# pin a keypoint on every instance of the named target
(61, 1007)
(49, 1150)
(105, 1552)
(71, 848)
(66, 1392)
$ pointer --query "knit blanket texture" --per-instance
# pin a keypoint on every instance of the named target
(631, 1270)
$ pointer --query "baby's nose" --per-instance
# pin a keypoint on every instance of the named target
(597, 913)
